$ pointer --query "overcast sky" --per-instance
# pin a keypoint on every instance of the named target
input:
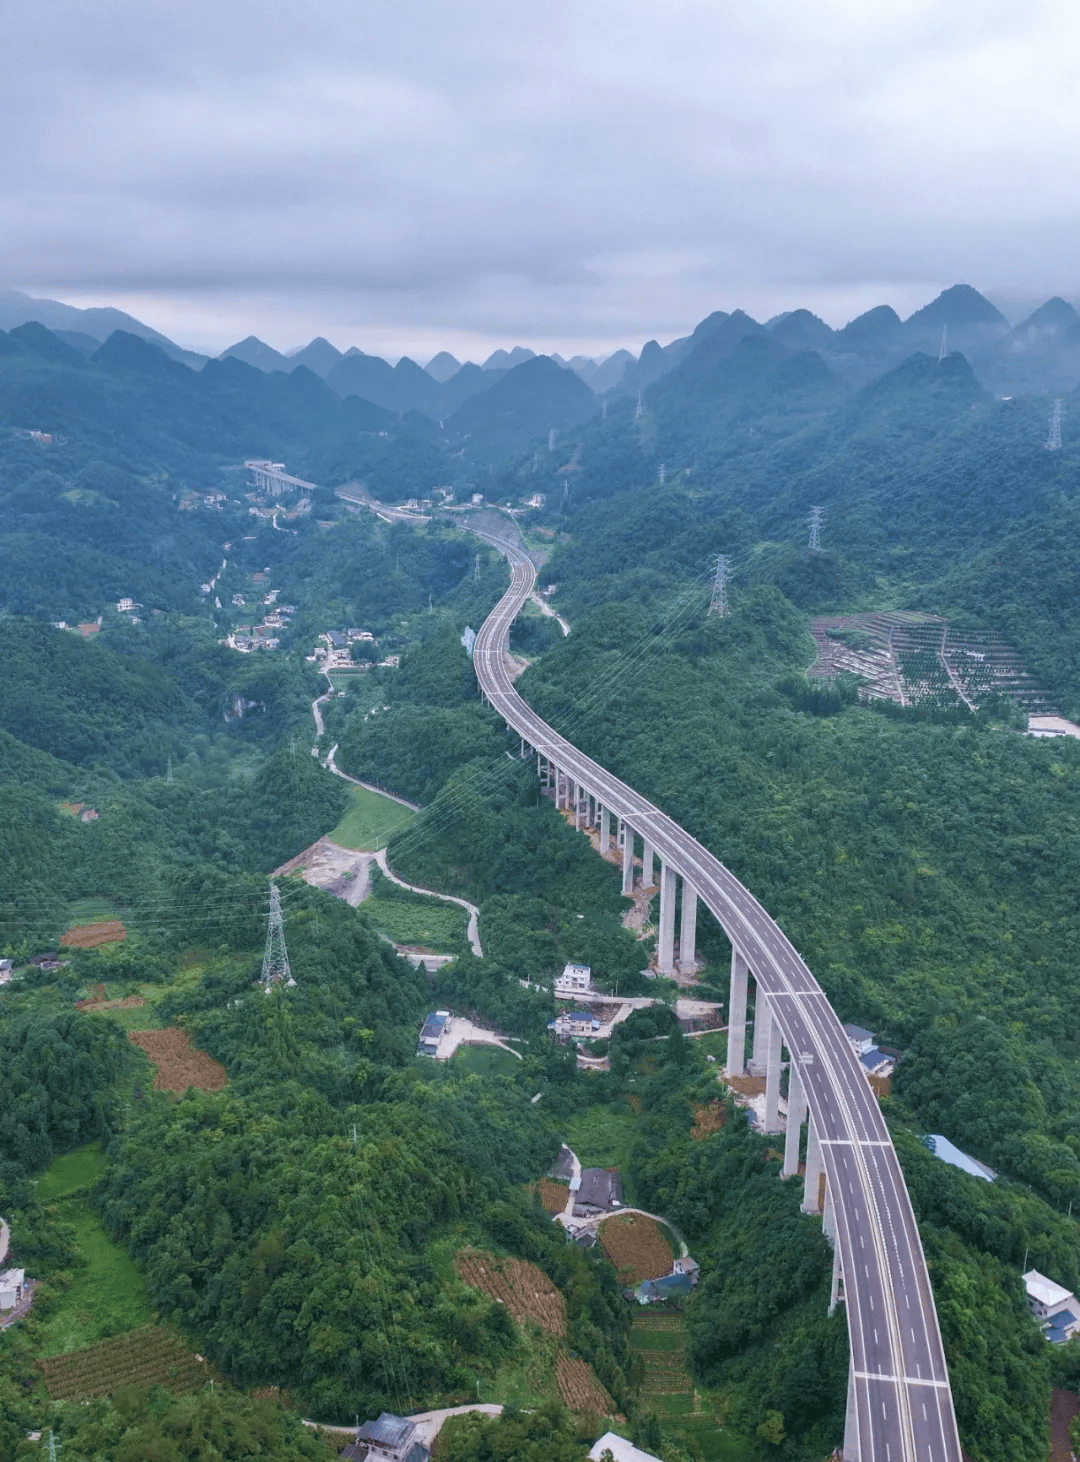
(410, 175)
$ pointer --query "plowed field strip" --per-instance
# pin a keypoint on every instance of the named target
(179, 1063)
(525, 1290)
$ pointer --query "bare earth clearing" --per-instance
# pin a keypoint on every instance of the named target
(179, 1064)
(89, 936)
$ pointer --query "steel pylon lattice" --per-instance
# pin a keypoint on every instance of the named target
(275, 970)
(718, 604)
(1053, 441)
(816, 517)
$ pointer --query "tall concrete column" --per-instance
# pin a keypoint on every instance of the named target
(796, 1112)
(605, 830)
(557, 783)
(814, 1168)
(576, 804)
(736, 1040)
(688, 930)
(837, 1275)
(852, 1442)
(772, 1076)
(628, 859)
(647, 865)
(759, 1057)
(665, 950)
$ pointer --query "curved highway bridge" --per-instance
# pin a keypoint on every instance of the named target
(899, 1406)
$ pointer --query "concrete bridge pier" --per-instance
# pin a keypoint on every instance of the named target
(736, 1041)
(688, 930)
(605, 830)
(665, 948)
(796, 1114)
(647, 856)
(852, 1444)
(814, 1168)
(759, 1056)
(773, 1063)
(627, 859)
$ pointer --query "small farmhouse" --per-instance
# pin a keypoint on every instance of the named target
(859, 1038)
(390, 1439)
(432, 1033)
(12, 1284)
(1054, 1307)
(574, 1023)
(573, 981)
(599, 1192)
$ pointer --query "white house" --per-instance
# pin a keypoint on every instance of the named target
(860, 1039)
(1053, 1305)
(573, 980)
(12, 1282)
(574, 1023)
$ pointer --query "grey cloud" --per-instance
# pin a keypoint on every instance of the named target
(564, 173)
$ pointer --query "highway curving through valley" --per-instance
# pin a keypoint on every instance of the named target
(899, 1403)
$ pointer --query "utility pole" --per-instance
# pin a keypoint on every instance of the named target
(663, 474)
(943, 352)
(718, 604)
(275, 970)
(816, 515)
(1053, 441)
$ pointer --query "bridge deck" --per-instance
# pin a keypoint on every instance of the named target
(903, 1404)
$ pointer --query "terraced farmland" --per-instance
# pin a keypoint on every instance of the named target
(526, 1291)
(147, 1357)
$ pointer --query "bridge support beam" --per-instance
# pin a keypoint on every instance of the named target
(688, 930)
(852, 1444)
(648, 853)
(605, 830)
(759, 1057)
(814, 1168)
(736, 1040)
(796, 1112)
(772, 1075)
(628, 859)
(665, 948)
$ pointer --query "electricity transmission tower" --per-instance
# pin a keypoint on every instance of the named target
(1053, 441)
(54, 1446)
(275, 970)
(639, 409)
(551, 440)
(476, 570)
(718, 604)
(816, 515)
(663, 474)
(943, 352)
(603, 410)
(168, 769)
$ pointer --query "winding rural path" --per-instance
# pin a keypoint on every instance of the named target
(899, 1401)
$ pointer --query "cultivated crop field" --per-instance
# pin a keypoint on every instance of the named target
(179, 1064)
(147, 1357)
(580, 1387)
(89, 936)
(552, 1195)
(637, 1248)
(526, 1291)
(660, 1340)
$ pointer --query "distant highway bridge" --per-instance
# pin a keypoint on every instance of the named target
(899, 1406)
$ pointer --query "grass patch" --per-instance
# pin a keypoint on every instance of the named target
(485, 1061)
(601, 1136)
(107, 1294)
(429, 923)
(73, 1170)
(713, 1043)
(369, 820)
(527, 1378)
(97, 910)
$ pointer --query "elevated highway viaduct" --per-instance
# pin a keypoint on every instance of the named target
(899, 1405)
